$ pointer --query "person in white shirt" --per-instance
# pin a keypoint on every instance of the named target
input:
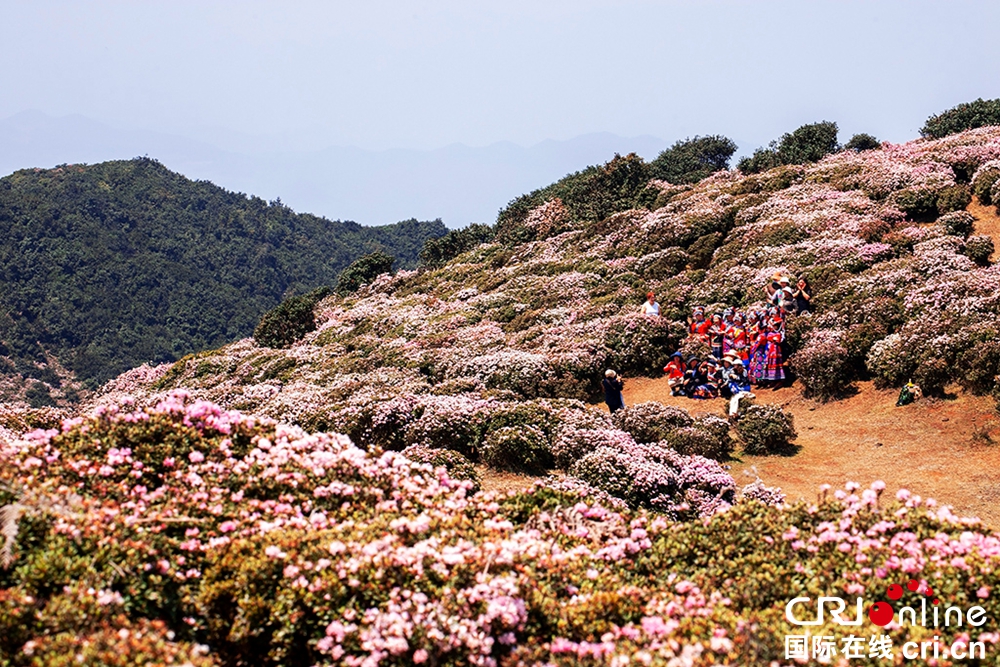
(650, 307)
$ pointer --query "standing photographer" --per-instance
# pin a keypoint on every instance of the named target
(613, 386)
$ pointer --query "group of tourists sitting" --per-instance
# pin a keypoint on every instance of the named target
(747, 349)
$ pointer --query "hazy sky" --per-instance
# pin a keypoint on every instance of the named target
(426, 74)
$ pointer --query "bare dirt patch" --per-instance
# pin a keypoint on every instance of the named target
(496, 480)
(930, 447)
(987, 222)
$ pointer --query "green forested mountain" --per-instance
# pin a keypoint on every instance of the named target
(111, 265)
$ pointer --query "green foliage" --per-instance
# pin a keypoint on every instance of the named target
(953, 198)
(862, 142)
(808, 143)
(691, 160)
(638, 344)
(441, 250)
(918, 203)
(958, 223)
(589, 195)
(363, 270)
(966, 116)
(651, 422)
(517, 449)
(116, 264)
(290, 320)
(765, 429)
(983, 183)
(978, 248)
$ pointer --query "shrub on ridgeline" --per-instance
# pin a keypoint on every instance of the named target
(808, 143)
(979, 248)
(765, 429)
(439, 251)
(691, 160)
(290, 320)
(862, 142)
(458, 466)
(966, 116)
(589, 195)
(651, 421)
(821, 366)
(517, 449)
(364, 270)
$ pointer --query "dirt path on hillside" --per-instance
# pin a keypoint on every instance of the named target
(987, 222)
(927, 447)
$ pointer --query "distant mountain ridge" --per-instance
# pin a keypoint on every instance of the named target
(457, 183)
(107, 266)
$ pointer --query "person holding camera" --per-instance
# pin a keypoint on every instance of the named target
(613, 385)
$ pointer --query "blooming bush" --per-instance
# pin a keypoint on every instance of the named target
(518, 449)
(979, 248)
(458, 467)
(761, 493)
(651, 421)
(640, 343)
(196, 535)
(822, 367)
(765, 429)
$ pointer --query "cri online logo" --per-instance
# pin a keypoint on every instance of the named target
(882, 613)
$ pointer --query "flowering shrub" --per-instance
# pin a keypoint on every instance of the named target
(821, 365)
(765, 429)
(958, 223)
(518, 449)
(640, 343)
(759, 492)
(572, 445)
(458, 467)
(979, 248)
(656, 477)
(196, 535)
(651, 421)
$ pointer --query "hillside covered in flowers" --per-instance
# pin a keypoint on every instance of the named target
(904, 289)
(319, 503)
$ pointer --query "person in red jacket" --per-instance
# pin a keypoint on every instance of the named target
(674, 371)
(699, 325)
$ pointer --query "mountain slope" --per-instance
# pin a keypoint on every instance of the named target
(108, 266)
(544, 309)
(515, 333)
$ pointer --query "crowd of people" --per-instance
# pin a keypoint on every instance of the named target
(746, 350)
